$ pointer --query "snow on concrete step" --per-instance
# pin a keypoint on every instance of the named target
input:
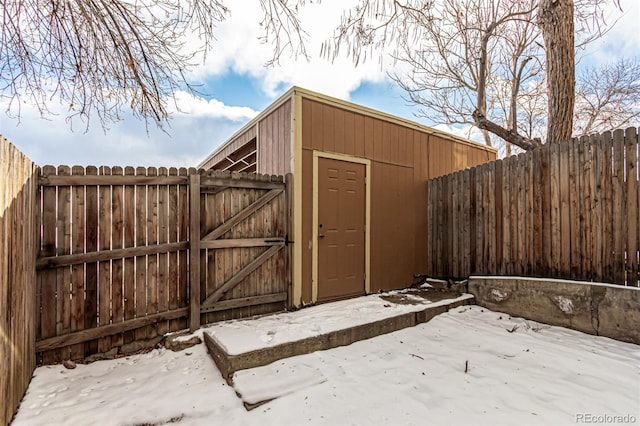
(260, 385)
(244, 344)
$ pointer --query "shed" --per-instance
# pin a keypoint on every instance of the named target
(360, 182)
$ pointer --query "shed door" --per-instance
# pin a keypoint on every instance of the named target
(341, 229)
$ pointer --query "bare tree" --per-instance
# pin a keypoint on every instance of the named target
(479, 62)
(100, 56)
(607, 97)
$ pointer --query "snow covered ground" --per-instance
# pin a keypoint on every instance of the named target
(468, 366)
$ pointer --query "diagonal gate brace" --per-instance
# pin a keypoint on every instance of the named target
(246, 212)
(237, 278)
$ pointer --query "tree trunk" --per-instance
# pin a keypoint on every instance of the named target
(555, 18)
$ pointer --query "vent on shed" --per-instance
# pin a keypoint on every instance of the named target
(242, 159)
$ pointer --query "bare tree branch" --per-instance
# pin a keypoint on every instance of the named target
(506, 134)
(101, 56)
(607, 97)
(283, 29)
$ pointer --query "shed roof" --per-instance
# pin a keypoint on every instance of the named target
(340, 103)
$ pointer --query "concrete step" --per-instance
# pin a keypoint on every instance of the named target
(397, 310)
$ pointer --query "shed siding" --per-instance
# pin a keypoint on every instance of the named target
(421, 170)
(274, 141)
(403, 159)
(446, 156)
(392, 226)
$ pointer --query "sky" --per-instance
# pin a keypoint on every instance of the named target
(235, 85)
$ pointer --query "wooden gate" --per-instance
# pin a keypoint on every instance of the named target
(241, 259)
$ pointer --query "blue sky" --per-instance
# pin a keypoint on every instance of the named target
(237, 86)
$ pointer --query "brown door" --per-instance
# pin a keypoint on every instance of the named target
(341, 229)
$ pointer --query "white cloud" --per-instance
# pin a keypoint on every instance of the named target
(623, 39)
(195, 106)
(240, 50)
(464, 131)
(187, 140)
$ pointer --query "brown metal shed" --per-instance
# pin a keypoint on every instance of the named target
(360, 181)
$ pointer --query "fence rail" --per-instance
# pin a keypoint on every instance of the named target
(565, 210)
(17, 277)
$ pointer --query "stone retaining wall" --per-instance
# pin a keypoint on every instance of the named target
(601, 309)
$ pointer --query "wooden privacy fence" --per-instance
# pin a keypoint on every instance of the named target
(17, 277)
(565, 210)
(118, 264)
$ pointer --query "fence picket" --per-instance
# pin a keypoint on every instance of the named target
(452, 225)
(104, 267)
(565, 211)
(521, 228)
(63, 275)
(499, 198)
(473, 221)
(141, 261)
(619, 207)
(633, 212)
(152, 259)
(129, 278)
(78, 271)
(183, 235)
(163, 258)
(608, 195)
(577, 218)
(514, 225)
(583, 194)
(172, 278)
(490, 244)
(537, 189)
(466, 233)
(528, 241)
(117, 238)
(440, 204)
(91, 244)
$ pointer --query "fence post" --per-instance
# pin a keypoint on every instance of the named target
(288, 180)
(194, 251)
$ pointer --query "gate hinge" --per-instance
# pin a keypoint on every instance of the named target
(287, 241)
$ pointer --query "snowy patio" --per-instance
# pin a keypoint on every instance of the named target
(250, 343)
(466, 366)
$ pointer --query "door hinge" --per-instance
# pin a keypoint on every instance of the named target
(365, 180)
(364, 276)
